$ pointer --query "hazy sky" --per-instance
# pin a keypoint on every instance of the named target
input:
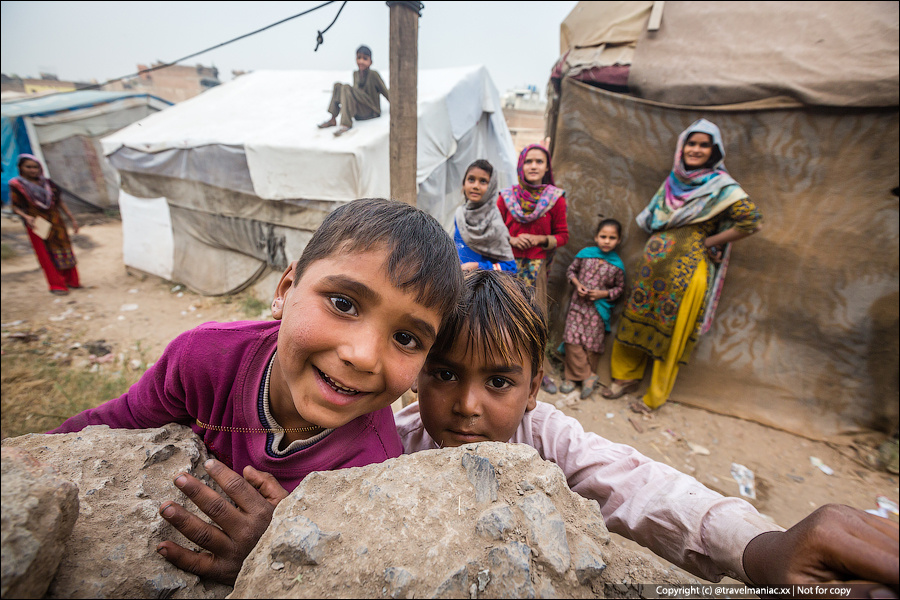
(517, 41)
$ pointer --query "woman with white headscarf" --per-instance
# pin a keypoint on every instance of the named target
(692, 220)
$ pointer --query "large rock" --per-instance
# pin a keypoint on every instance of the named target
(122, 476)
(39, 509)
(483, 520)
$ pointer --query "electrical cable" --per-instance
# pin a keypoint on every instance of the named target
(319, 40)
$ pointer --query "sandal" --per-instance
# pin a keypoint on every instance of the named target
(343, 129)
(548, 385)
(566, 386)
(60, 292)
(618, 389)
(327, 124)
(587, 386)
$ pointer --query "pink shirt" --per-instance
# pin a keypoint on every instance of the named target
(659, 507)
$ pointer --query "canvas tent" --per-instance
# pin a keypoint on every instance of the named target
(806, 95)
(227, 187)
(64, 131)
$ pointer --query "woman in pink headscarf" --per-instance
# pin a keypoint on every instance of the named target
(38, 202)
(534, 211)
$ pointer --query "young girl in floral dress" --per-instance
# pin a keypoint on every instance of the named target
(598, 275)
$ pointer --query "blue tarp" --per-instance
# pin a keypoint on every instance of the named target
(15, 139)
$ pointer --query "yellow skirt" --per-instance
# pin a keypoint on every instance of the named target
(627, 362)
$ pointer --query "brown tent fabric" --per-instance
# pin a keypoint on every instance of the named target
(820, 53)
(806, 333)
(596, 23)
(601, 34)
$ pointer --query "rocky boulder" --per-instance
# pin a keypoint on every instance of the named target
(481, 521)
(39, 509)
(122, 477)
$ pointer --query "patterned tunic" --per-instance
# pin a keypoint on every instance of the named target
(584, 327)
(58, 245)
(664, 271)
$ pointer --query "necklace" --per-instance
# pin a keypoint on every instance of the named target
(260, 429)
(257, 429)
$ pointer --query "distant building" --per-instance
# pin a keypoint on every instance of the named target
(175, 84)
(523, 110)
(32, 87)
(525, 98)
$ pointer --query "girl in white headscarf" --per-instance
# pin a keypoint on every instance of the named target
(481, 236)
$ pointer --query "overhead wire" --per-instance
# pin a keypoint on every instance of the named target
(319, 41)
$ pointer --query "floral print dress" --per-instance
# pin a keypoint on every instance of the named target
(668, 262)
(584, 327)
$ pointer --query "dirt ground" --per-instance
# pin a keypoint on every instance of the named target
(137, 316)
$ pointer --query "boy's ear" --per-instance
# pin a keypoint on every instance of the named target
(533, 390)
(282, 290)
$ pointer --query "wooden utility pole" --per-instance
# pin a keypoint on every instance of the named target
(404, 98)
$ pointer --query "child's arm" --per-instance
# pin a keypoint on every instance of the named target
(158, 398)
(611, 292)
(662, 509)
(255, 495)
(618, 285)
(472, 260)
(380, 85)
(572, 274)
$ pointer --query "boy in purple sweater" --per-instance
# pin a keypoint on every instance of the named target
(355, 318)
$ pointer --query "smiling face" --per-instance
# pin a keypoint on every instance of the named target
(470, 395)
(607, 238)
(350, 342)
(697, 150)
(476, 184)
(363, 61)
(535, 166)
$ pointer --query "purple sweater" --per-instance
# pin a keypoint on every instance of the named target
(213, 373)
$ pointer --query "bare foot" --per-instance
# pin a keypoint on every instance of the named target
(344, 129)
(330, 123)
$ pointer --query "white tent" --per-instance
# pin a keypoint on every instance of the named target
(225, 187)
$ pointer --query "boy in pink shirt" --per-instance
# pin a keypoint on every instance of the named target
(480, 383)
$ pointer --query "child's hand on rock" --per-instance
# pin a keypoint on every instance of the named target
(256, 496)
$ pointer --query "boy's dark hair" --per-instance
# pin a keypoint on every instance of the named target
(604, 222)
(479, 164)
(421, 256)
(364, 50)
(500, 315)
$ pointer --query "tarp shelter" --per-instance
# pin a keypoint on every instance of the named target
(227, 187)
(64, 131)
(806, 95)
